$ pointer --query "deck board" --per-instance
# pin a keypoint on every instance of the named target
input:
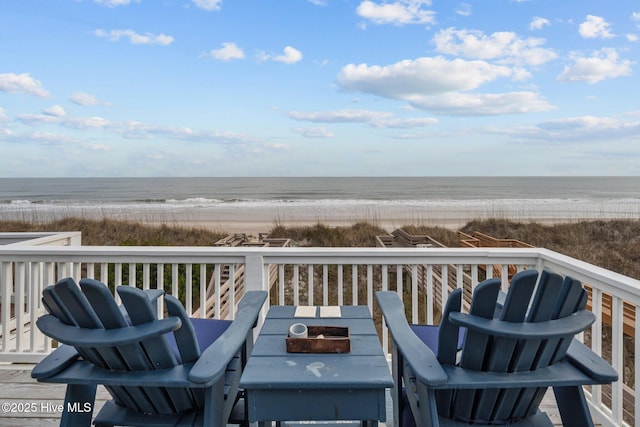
(17, 387)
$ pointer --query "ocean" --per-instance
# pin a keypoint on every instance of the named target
(417, 200)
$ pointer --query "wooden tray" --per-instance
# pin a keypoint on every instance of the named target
(336, 340)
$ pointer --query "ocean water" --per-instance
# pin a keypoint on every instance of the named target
(416, 200)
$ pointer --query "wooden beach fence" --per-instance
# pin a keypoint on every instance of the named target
(227, 281)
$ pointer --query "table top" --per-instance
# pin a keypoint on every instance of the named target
(271, 367)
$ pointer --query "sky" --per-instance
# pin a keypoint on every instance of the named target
(319, 88)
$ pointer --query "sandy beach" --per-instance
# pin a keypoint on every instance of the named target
(252, 205)
(253, 219)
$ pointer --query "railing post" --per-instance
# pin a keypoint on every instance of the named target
(254, 273)
(254, 280)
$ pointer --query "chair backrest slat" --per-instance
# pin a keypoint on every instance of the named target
(159, 353)
(502, 352)
(531, 298)
(94, 307)
(475, 346)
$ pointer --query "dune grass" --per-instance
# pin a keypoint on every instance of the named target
(614, 245)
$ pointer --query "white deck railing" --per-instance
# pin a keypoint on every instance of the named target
(319, 276)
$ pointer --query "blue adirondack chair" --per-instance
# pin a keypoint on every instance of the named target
(172, 371)
(513, 349)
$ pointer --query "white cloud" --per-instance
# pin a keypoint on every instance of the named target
(318, 2)
(603, 64)
(586, 129)
(400, 12)
(86, 99)
(22, 83)
(411, 123)
(469, 104)
(3, 115)
(136, 130)
(464, 9)
(227, 52)
(55, 111)
(208, 4)
(537, 23)
(314, 132)
(632, 37)
(135, 38)
(290, 55)
(114, 3)
(377, 119)
(341, 116)
(423, 76)
(442, 86)
(504, 46)
(595, 27)
(65, 121)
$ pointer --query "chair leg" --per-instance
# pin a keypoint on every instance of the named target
(573, 407)
(396, 390)
(78, 405)
(213, 409)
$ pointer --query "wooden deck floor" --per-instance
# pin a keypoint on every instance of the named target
(26, 403)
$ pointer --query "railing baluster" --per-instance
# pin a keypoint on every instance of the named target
(90, 270)
(174, 280)
(35, 290)
(146, 276)
(596, 338)
(296, 284)
(385, 287)
(118, 275)
(160, 276)
(203, 291)
(188, 283)
(414, 293)
(340, 285)
(132, 275)
(429, 296)
(617, 358)
(281, 284)
(325, 284)
(504, 277)
(232, 292)
(216, 290)
(104, 272)
(444, 282)
(310, 283)
(6, 271)
(370, 287)
(354, 284)
(18, 303)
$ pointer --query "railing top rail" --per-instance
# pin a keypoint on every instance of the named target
(268, 251)
(617, 284)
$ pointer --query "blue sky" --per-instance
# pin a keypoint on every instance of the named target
(319, 87)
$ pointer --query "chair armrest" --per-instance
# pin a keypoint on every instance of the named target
(84, 372)
(56, 362)
(558, 328)
(560, 374)
(590, 363)
(86, 337)
(420, 358)
(214, 359)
